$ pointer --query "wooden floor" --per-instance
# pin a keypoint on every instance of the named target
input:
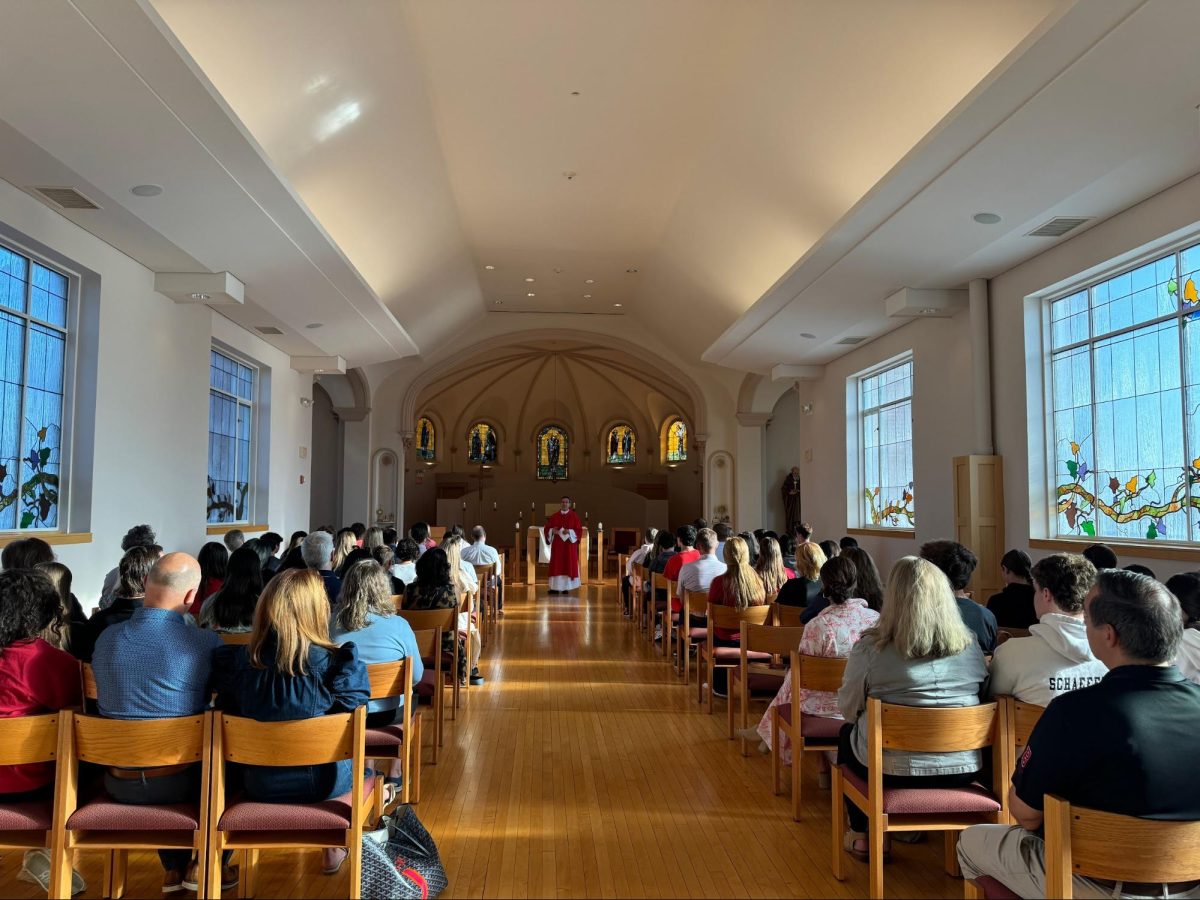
(584, 768)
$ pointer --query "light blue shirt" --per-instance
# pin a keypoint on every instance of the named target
(385, 639)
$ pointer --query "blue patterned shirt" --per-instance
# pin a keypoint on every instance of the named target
(153, 666)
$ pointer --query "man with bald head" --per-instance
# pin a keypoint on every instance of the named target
(157, 665)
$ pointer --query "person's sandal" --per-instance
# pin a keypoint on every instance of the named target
(338, 853)
(852, 839)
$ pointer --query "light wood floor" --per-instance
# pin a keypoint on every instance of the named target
(585, 769)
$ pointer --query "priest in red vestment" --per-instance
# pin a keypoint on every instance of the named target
(563, 530)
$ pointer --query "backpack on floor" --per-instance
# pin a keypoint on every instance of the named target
(400, 860)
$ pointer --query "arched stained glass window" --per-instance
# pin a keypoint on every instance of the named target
(481, 444)
(552, 453)
(426, 440)
(677, 440)
(621, 448)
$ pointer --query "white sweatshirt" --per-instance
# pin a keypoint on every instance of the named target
(1188, 659)
(1053, 660)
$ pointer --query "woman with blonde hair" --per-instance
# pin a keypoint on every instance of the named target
(805, 588)
(292, 670)
(373, 538)
(770, 566)
(343, 545)
(462, 575)
(740, 587)
(919, 654)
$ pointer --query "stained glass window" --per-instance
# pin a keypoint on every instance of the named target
(33, 342)
(426, 440)
(481, 444)
(885, 446)
(552, 453)
(677, 439)
(231, 402)
(1125, 393)
(622, 446)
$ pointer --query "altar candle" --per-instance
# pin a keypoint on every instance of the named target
(493, 506)
(599, 526)
(585, 515)
(464, 505)
(531, 506)
(516, 526)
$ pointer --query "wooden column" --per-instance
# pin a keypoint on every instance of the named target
(600, 555)
(979, 518)
(516, 562)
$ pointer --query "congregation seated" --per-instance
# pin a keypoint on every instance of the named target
(386, 556)
(35, 677)
(958, 564)
(214, 566)
(1125, 745)
(685, 552)
(231, 609)
(1055, 658)
(292, 670)
(805, 588)
(480, 553)
(920, 653)
(1139, 569)
(404, 566)
(870, 584)
(317, 551)
(372, 538)
(656, 564)
(155, 664)
(831, 634)
(1013, 606)
(343, 545)
(131, 588)
(419, 532)
(137, 536)
(770, 567)
(1101, 556)
(698, 575)
(433, 588)
(357, 555)
(295, 540)
(751, 546)
(847, 543)
(787, 551)
(829, 548)
(637, 557)
(71, 631)
(738, 586)
(273, 542)
(233, 539)
(390, 537)
(724, 532)
(462, 575)
(1186, 588)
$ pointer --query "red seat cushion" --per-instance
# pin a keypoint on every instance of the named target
(784, 710)
(387, 736)
(104, 814)
(761, 683)
(698, 634)
(251, 815)
(30, 815)
(726, 654)
(425, 687)
(447, 661)
(931, 800)
(820, 728)
(995, 890)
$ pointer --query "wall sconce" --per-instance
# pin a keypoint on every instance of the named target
(306, 402)
(806, 408)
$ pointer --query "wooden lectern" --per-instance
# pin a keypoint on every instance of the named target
(531, 554)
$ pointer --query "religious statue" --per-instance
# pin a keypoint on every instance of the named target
(562, 531)
(627, 442)
(612, 444)
(424, 442)
(476, 445)
(552, 451)
(791, 498)
(489, 447)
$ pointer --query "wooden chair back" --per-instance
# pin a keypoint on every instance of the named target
(658, 582)
(88, 677)
(933, 730)
(397, 601)
(29, 739)
(817, 673)
(788, 616)
(303, 742)
(776, 640)
(391, 679)
(426, 619)
(444, 621)
(137, 744)
(239, 638)
(766, 638)
(1094, 844)
(732, 618)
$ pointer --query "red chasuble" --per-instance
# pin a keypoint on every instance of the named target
(564, 552)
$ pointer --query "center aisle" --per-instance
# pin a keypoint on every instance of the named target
(584, 768)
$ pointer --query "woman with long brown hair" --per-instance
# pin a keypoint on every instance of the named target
(770, 566)
(739, 587)
(292, 670)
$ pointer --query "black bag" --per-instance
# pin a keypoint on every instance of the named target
(400, 861)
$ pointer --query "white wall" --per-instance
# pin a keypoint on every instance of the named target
(151, 435)
(781, 451)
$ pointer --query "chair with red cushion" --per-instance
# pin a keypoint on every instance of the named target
(711, 657)
(811, 733)
(25, 740)
(761, 670)
(694, 604)
(949, 810)
(400, 740)
(447, 661)
(654, 606)
(239, 824)
(668, 621)
(100, 823)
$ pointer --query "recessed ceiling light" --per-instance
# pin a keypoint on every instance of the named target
(531, 294)
(574, 93)
(201, 297)
(569, 175)
(558, 271)
(616, 306)
(498, 302)
(314, 324)
(631, 271)
(805, 334)
(986, 218)
(529, 280)
(146, 190)
(590, 281)
(489, 267)
(587, 296)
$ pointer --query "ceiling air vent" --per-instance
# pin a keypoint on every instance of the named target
(66, 198)
(267, 329)
(1058, 226)
(850, 341)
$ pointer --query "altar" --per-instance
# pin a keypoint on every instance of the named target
(536, 569)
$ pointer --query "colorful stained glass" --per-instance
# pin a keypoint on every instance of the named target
(230, 438)
(33, 342)
(481, 444)
(622, 446)
(426, 440)
(885, 417)
(677, 439)
(1125, 393)
(552, 452)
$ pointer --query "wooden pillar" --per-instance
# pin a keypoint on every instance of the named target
(600, 555)
(516, 563)
(979, 518)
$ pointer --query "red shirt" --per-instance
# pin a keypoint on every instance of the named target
(716, 594)
(34, 678)
(671, 573)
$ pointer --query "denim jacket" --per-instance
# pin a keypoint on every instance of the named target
(336, 682)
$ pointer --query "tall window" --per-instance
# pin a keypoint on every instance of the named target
(481, 444)
(426, 440)
(621, 449)
(552, 453)
(885, 446)
(1125, 394)
(231, 400)
(676, 441)
(33, 348)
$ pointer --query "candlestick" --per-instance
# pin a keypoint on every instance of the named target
(585, 515)
(599, 526)
(493, 506)
(531, 506)
(464, 505)
(520, 515)
(516, 526)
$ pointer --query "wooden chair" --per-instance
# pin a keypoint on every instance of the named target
(240, 638)
(711, 657)
(431, 691)
(924, 730)
(1020, 718)
(485, 601)
(101, 823)
(466, 604)
(636, 592)
(811, 733)
(402, 739)
(693, 602)
(666, 621)
(764, 651)
(788, 616)
(236, 824)
(29, 824)
(658, 582)
(445, 661)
